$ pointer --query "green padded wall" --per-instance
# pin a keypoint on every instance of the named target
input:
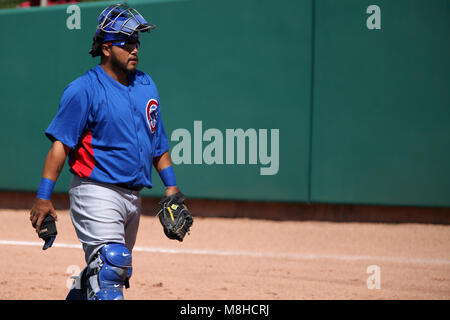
(381, 117)
(361, 114)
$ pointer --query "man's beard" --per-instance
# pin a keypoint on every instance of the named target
(121, 66)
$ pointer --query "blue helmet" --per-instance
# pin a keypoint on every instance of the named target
(118, 22)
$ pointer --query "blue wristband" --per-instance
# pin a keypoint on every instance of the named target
(45, 189)
(168, 177)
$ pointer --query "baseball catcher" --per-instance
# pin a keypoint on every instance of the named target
(174, 216)
(109, 126)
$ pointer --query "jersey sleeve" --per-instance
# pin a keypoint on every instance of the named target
(70, 121)
(162, 144)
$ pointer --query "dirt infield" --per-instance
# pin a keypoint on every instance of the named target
(238, 258)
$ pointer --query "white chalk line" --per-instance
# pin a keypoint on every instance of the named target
(295, 256)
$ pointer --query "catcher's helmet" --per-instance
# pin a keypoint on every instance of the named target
(118, 22)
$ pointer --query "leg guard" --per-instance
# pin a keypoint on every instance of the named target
(108, 272)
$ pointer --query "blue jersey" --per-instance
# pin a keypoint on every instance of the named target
(114, 131)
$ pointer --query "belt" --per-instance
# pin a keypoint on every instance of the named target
(126, 186)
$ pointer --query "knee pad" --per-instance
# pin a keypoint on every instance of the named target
(109, 272)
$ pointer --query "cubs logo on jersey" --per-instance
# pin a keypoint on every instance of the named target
(152, 114)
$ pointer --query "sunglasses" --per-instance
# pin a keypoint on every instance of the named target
(127, 45)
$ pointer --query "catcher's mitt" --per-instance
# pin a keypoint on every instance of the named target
(174, 216)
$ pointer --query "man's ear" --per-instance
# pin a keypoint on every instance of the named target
(106, 50)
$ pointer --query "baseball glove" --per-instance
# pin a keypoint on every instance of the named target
(174, 216)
